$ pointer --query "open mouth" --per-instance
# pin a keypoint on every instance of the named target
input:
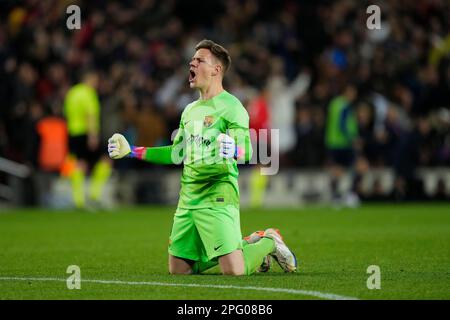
(191, 75)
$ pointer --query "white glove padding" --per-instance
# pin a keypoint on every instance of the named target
(118, 146)
(227, 146)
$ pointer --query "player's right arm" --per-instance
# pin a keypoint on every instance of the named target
(118, 147)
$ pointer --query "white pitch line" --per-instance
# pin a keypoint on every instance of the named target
(317, 294)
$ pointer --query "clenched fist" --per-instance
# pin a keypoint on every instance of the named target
(118, 146)
(227, 146)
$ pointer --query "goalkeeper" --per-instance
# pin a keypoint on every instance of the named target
(212, 137)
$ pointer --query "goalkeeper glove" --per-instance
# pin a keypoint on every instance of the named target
(227, 146)
(118, 146)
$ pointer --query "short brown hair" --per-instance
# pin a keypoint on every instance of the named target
(217, 50)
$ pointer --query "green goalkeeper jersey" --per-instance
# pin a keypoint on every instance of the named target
(207, 179)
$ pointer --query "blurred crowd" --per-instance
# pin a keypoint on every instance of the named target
(289, 60)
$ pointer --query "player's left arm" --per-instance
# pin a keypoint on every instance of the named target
(243, 147)
(236, 142)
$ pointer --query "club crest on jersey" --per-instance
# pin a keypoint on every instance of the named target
(208, 121)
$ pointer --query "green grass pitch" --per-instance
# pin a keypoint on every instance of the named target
(410, 243)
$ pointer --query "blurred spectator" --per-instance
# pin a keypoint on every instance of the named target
(282, 105)
(53, 142)
(150, 126)
(341, 139)
(309, 149)
(259, 113)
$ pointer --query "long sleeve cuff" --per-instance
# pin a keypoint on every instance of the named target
(157, 155)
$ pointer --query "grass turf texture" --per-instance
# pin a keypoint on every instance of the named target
(410, 243)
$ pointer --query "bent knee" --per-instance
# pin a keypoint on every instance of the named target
(232, 264)
(179, 266)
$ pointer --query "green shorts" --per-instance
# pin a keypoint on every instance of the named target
(205, 234)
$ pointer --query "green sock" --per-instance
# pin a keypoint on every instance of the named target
(254, 253)
(77, 181)
(200, 266)
(100, 175)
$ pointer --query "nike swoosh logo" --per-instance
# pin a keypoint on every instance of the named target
(186, 122)
(218, 247)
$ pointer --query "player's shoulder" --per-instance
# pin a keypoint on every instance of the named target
(231, 102)
(230, 98)
(188, 107)
(234, 111)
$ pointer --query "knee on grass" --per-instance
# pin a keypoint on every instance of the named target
(175, 271)
(233, 272)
